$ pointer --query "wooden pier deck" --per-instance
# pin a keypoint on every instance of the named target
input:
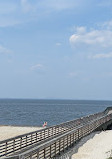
(53, 141)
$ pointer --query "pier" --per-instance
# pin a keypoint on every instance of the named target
(55, 141)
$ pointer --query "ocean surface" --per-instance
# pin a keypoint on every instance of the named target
(30, 112)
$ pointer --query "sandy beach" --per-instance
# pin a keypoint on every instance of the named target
(97, 145)
(7, 132)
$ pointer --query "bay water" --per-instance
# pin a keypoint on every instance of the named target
(33, 112)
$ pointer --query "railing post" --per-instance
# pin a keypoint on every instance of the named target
(78, 133)
(36, 136)
(13, 144)
(55, 148)
(6, 148)
(44, 134)
(31, 156)
(59, 146)
(44, 152)
(40, 135)
(58, 130)
(48, 132)
(63, 145)
(52, 132)
(26, 139)
(81, 131)
(50, 151)
(73, 138)
(55, 130)
(37, 154)
(20, 142)
(70, 157)
(88, 128)
(67, 141)
(70, 141)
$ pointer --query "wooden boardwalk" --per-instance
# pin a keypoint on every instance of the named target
(52, 141)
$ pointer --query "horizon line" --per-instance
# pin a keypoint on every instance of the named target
(9, 98)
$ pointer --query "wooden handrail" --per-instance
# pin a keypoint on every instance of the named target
(33, 140)
(69, 138)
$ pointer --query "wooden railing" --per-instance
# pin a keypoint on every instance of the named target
(53, 148)
(32, 140)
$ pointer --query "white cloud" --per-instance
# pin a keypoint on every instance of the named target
(58, 44)
(4, 50)
(99, 56)
(49, 5)
(73, 74)
(79, 30)
(37, 67)
(14, 13)
(105, 3)
(100, 38)
(7, 8)
(8, 22)
(107, 25)
(9, 13)
(26, 6)
(93, 43)
(60, 4)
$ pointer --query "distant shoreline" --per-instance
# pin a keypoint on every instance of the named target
(53, 99)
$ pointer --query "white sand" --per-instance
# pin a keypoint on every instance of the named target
(98, 146)
(7, 132)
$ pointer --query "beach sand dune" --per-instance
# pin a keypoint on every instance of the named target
(97, 145)
(7, 132)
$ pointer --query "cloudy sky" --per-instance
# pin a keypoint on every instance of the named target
(56, 49)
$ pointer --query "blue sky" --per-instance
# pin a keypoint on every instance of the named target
(58, 49)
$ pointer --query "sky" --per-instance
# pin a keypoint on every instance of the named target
(56, 49)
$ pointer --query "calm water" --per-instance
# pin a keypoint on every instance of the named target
(35, 112)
